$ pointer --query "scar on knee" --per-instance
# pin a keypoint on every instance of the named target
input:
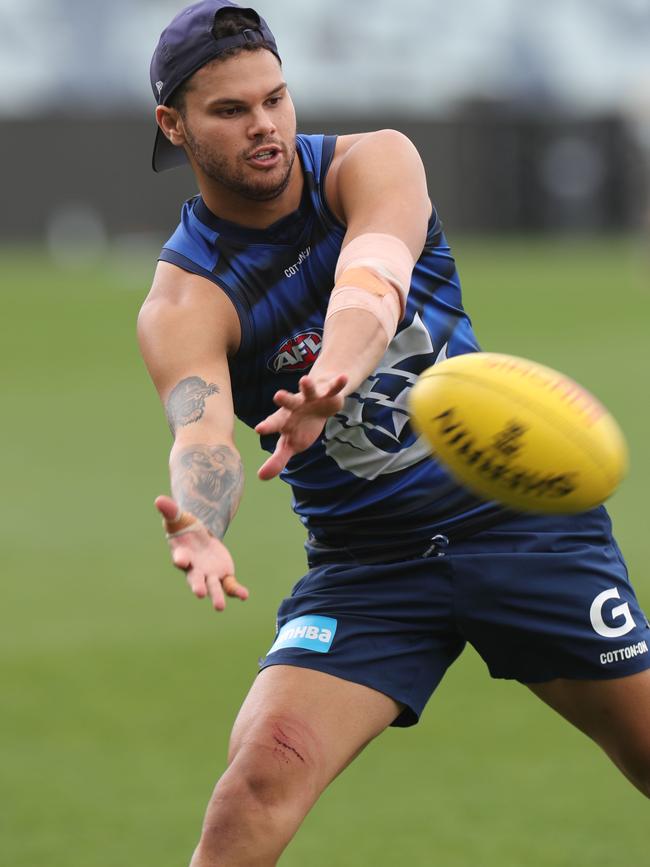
(283, 747)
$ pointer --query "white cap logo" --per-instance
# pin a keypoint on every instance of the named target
(159, 86)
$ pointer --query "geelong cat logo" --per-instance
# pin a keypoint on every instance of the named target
(371, 435)
(614, 615)
(296, 353)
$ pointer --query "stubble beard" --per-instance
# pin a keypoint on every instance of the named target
(219, 169)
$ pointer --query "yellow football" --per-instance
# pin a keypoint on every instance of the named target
(515, 431)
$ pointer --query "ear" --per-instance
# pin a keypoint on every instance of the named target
(171, 123)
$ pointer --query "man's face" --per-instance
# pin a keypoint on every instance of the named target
(240, 125)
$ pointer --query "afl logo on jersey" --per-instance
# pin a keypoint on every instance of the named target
(297, 353)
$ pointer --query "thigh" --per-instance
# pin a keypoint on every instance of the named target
(385, 626)
(614, 713)
(310, 720)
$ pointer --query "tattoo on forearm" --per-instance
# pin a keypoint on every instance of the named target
(186, 402)
(208, 481)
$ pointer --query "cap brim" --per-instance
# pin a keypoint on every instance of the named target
(165, 154)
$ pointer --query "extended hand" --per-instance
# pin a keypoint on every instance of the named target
(205, 560)
(300, 419)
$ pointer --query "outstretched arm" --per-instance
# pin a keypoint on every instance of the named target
(185, 331)
(380, 189)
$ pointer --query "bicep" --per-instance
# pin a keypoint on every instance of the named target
(381, 186)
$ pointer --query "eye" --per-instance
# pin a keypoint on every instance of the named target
(230, 112)
(274, 100)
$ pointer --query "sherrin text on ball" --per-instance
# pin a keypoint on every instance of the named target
(515, 431)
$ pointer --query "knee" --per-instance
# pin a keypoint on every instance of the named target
(271, 781)
(274, 761)
(277, 742)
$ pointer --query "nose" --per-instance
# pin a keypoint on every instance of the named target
(261, 124)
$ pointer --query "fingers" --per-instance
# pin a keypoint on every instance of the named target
(232, 587)
(229, 585)
(271, 468)
(197, 583)
(308, 388)
(181, 557)
(202, 585)
(274, 465)
(214, 585)
(289, 402)
(272, 423)
(216, 592)
(167, 507)
(195, 560)
(336, 385)
(310, 391)
(175, 520)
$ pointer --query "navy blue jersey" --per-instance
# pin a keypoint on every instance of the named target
(368, 473)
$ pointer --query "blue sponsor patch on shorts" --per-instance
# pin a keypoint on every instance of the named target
(310, 632)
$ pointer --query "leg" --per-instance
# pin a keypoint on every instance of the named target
(296, 730)
(549, 603)
(614, 713)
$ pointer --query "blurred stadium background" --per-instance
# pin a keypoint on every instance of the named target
(118, 687)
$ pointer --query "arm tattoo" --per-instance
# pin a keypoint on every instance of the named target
(208, 481)
(186, 402)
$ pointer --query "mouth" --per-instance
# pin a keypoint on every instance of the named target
(265, 157)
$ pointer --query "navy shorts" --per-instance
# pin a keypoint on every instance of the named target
(539, 597)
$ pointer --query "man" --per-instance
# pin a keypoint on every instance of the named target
(304, 290)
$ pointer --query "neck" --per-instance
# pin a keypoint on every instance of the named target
(253, 214)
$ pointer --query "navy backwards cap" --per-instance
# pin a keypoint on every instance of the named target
(185, 45)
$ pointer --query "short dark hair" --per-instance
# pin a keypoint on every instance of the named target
(228, 22)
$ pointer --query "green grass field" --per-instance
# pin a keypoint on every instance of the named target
(118, 687)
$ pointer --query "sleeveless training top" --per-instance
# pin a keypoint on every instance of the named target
(368, 479)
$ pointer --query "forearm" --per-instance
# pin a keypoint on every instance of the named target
(207, 480)
(353, 343)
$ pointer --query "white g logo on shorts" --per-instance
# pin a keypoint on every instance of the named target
(596, 615)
